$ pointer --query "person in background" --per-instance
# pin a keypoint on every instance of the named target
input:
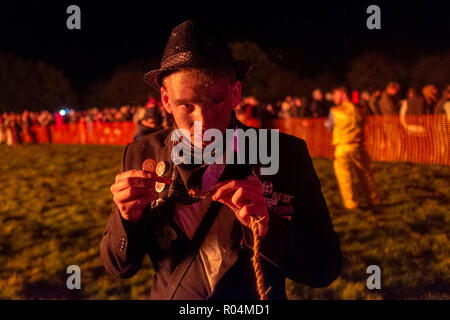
(27, 124)
(3, 127)
(286, 108)
(270, 111)
(45, 119)
(443, 105)
(150, 122)
(329, 100)
(414, 104)
(430, 95)
(442, 129)
(389, 106)
(347, 123)
(389, 103)
(364, 103)
(374, 102)
(13, 129)
(126, 114)
(318, 107)
(298, 108)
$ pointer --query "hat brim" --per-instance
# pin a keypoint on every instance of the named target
(241, 67)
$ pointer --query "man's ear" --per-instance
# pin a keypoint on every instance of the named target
(165, 100)
(236, 94)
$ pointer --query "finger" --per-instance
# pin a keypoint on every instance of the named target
(134, 194)
(227, 201)
(135, 173)
(260, 214)
(132, 182)
(243, 197)
(227, 187)
(231, 185)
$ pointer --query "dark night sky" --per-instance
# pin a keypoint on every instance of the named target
(315, 36)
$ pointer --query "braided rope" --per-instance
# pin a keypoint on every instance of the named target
(262, 291)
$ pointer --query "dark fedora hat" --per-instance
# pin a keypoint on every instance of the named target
(192, 45)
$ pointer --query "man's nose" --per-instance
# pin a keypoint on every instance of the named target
(205, 115)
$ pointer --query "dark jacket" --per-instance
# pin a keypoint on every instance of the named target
(301, 243)
(416, 106)
(388, 104)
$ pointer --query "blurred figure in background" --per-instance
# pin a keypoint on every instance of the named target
(389, 103)
(12, 129)
(318, 108)
(413, 104)
(443, 105)
(329, 100)
(3, 127)
(286, 108)
(374, 102)
(45, 119)
(389, 106)
(442, 130)
(364, 102)
(125, 112)
(27, 124)
(347, 123)
(430, 94)
(151, 120)
(298, 108)
(270, 111)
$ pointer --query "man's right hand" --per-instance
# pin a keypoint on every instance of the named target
(133, 191)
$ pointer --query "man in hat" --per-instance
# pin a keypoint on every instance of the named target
(200, 242)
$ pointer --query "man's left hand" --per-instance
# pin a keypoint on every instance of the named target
(246, 200)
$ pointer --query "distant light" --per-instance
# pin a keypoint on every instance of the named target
(62, 112)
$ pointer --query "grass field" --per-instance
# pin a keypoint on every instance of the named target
(55, 200)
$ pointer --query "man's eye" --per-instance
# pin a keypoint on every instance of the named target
(187, 106)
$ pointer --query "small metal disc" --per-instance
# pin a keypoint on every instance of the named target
(159, 186)
(161, 168)
(149, 165)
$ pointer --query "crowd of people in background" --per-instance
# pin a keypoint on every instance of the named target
(379, 102)
(152, 116)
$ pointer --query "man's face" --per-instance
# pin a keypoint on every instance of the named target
(393, 91)
(317, 95)
(189, 96)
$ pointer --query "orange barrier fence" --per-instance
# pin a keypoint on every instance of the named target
(119, 133)
(420, 139)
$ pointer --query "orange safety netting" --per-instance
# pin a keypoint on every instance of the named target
(420, 139)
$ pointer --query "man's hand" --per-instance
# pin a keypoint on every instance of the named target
(133, 191)
(245, 198)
